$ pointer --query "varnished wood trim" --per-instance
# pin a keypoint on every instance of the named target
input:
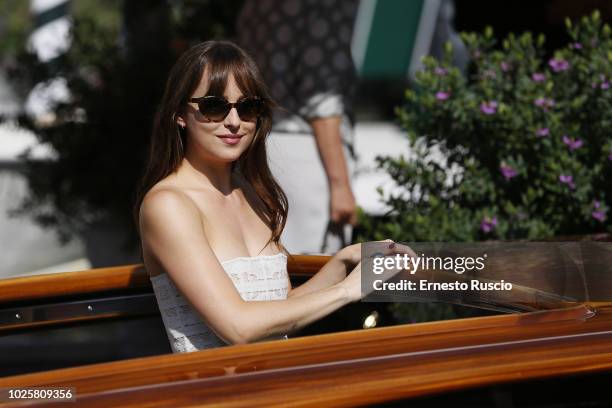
(320, 349)
(62, 313)
(428, 362)
(369, 381)
(120, 278)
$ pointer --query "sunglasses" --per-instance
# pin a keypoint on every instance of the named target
(216, 108)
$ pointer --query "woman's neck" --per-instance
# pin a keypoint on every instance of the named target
(213, 174)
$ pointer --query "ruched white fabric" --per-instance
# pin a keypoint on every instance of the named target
(258, 278)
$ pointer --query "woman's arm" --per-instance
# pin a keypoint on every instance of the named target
(172, 233)
(333, 272)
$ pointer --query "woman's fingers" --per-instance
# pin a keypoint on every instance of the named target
(404, 249)
(395, 248)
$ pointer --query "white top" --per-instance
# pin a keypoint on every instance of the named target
(262, 277)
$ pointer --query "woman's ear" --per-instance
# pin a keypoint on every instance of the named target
(181, 122)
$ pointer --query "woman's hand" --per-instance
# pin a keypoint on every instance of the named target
(350, 256)
(352, 283)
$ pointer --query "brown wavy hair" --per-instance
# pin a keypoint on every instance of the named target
(219, 59)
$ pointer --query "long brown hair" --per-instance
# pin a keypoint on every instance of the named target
(219, 59)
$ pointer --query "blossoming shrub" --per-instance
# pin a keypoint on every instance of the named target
(530, 138)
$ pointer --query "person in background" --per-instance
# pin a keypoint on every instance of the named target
(303, 50)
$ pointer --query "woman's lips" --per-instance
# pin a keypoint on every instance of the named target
(230, 139)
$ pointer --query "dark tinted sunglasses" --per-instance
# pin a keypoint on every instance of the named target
(216, 108)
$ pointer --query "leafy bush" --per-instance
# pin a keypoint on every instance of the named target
(520, 147)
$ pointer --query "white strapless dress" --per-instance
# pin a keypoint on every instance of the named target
(262, 277)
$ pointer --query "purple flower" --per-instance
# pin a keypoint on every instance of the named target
(544, 103)
(576, 46)
(488, 224)
(610, 156)
(507, 171)
(558, 64)
(538, 76)
(440, 71)
(542, 132)
(505, 66)
(442, 96)
(593, 85)
(567, 179)
(488, 107)
(572, 143)
(598, 213)
(605, 85)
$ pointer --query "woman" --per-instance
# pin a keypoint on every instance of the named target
(211, 214)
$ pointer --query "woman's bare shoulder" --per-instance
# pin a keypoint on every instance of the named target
(169, 223)
(167, 203)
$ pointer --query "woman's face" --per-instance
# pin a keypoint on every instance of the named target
(222, 141)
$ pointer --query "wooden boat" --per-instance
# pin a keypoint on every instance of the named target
(352, 368)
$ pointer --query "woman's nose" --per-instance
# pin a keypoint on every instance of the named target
(232, 119)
